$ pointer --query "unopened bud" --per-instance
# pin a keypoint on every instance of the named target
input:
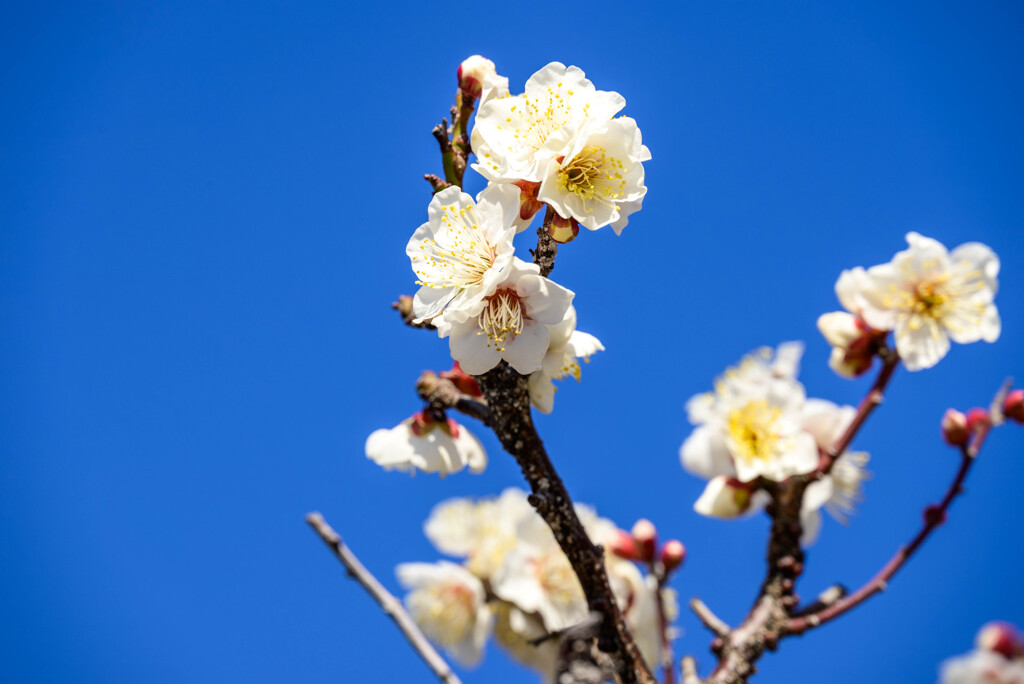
(645, 534)
(1002, 638)
(1013, 406)
(954, 428)
(673, 553)
(564, 230)
(976, 417)
(471, 75)
(462, 380)
(622, 545)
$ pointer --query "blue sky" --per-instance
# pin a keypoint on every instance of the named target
(202, 226)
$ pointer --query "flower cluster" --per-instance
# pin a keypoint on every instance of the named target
(556, 145)
(515, 583)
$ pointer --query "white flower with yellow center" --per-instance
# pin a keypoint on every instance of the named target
(422, 443)
(567, 346)
(462, 252)
(928, 296)
(450, 606)
(751, 425)
(603, 182)
(510, 323)
(516, 137)
(840, 491)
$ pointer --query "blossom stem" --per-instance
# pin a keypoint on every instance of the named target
(440, 132)
(934, 516)
(392, 606)
(871, 401)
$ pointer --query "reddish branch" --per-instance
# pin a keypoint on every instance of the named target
(774, 614)
(934, 516)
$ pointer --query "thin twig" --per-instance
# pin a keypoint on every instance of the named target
(935, 515)
(708, 617)
(442, 394)
(890, 360)
(668, 660)
(392, 607)
(688, 668)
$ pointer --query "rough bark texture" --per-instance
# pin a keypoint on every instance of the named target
(740, 648)
(507, 395)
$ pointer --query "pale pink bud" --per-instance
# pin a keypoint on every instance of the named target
(1002, 638)
(1013, 407)
(976, 417)
(645, 534)
(673, 553)
(954, 428)
(471, 75)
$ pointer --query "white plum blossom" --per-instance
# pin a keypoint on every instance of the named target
(449, 604)
(602, 183)
(511, 323)
(560, 135)
(461, 253)
(567, 347)
(927, 296)
(482, 531)
(998, 658)
(751, 426)
(423, 443)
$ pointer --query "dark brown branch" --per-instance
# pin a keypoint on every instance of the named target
(547, 248)
(507, 395)
(708, 618)
(935, 515)
(739, 649)
(392, 607)
(442, 394)
(436, 182)
(871, 401)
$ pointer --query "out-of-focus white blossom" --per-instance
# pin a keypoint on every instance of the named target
(511, 323)
(421, 443)
(566, 347)
(927, 296)
(449, 604)
(461, 253)
(998, 659)
(751, 426)
(560, 134)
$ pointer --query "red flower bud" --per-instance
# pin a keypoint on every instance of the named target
(623, 546)
(1002, 638)
(673, 553)
(645, 534)
(976, 417)
(954, 428)
(471, 75)
(1013, 406)
(462, 380)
